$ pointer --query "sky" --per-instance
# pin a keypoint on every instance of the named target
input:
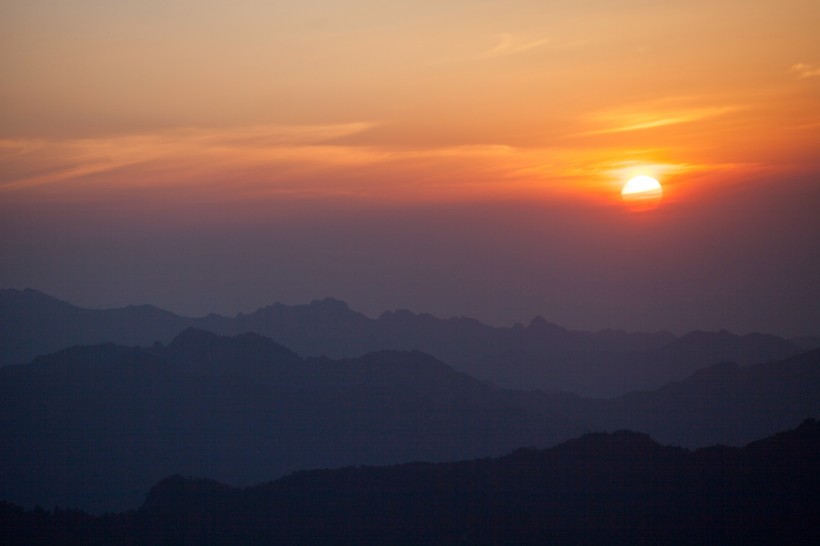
(463, 158)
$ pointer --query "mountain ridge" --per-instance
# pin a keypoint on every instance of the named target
(244, 408)
(541, 354)
(239, 408)
(600, 488)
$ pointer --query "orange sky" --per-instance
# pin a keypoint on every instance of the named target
(131, 115)
(402, 101)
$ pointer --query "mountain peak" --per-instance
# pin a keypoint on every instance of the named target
(192, 335)
(541, 324)
(177, 492)
(196, 337)
(321, 307)
(330, 304)
(203, 351)
(405, 316)
(809, 428)
(619, 444)
(807, 431)
(29, 296)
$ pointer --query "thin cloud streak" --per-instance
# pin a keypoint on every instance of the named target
(506, 45)
(805, 71)
(624, 120)
(273, 162)
(510, 44)
(71, 159)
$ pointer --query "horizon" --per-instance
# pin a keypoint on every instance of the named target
(460, 159)
(377, 315)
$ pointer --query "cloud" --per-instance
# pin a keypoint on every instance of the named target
(506, 45)
(261, 163)
(29, 163)
(804, 71)
(656, 114)
(509, 44)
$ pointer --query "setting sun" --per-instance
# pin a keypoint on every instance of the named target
(642, 184)
(642, 192)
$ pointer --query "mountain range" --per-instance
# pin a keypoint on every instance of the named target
(539, 355)
(94, 426)
(618, 488)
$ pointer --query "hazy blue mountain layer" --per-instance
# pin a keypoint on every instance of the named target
(539, 355)
(94, 426)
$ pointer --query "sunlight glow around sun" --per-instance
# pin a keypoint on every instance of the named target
(641, 184)
(642, 193)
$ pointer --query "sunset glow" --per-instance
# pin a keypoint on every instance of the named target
(509, 100)
(170, 119)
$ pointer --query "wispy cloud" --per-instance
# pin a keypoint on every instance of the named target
(238, 162)
(803, 71)
(192, 149)
(657, 114)
(504, 45)
(510, 44)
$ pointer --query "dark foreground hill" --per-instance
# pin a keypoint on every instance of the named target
(538, 355)
(93, 427)
(621, 488)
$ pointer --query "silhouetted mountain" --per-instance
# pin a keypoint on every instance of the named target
(93, 426)
(806, 343)
(724, 403)
(620, 488)
(699, 346)
(34, 324)
(539, 355)
(201, 352)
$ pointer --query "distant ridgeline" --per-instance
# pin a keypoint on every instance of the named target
(540, 355)
(93, 427)
(620, 488)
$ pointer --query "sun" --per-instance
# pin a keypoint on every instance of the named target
(642, 193)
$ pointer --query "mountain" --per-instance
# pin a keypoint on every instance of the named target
(619, 488)
(721, 404)
(539, 355)
(93, 426)
(34, 324)
(806, 343)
